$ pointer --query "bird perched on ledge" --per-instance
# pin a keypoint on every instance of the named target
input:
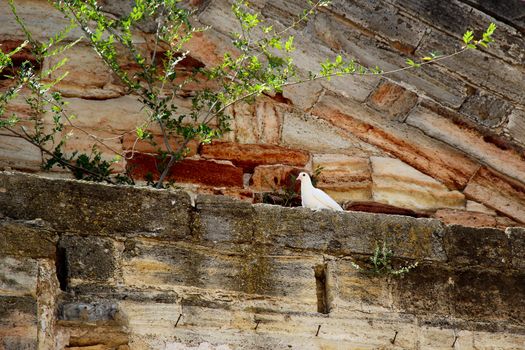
(315, 198)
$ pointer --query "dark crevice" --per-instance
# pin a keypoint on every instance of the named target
(322, 289)
(61, 267)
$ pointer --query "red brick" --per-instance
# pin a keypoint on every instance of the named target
(199, 171)
(393, 99)
(248, 156)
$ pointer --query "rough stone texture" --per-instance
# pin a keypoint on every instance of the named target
(419, 191)
(344, 177)
(207, 172)
(248, 156)
(446, 119)
(247, 277)
(502, 194)
(392, 99)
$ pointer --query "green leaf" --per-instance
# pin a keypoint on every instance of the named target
(468, 36)
(288, 46)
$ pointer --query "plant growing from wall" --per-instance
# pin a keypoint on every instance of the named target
(381, 263)
(261, 63)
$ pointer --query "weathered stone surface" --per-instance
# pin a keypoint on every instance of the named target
(471, 142)
(248, 156)
(392, 99)
(207, 172)
(90, 259)
(396, 183)
(309, 132)
(26, 239)
(75, 206)
(472, 218)
(273, 177)
(516, 125)
(474, 246)
(131, 143)
(87, 77)
(17, 153)
(455, 16)
(18, 276)
(346, 233)
(413, 147)
(18, 323)
(486, 109)
(344, 177)
(516, 236)
(498, 192)
(257, 123)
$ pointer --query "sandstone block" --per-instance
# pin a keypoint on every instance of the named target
(88, 259)
(17, 153)
(221, 219)
(408, 144)
(346, 233)
(469, 141)
(259, 122)
(477, 246)
(486, 109)
(344, 177)
(516, 125)
(166, 266)
(397, 183)
(88, 77)
(273, 177)
(207, 172)
(18, 322)
(498, 192)
(28, 239)
(248, 156)
(130, 142)
(314, 134)
(392, 99)
(18, 276)
(75, 206)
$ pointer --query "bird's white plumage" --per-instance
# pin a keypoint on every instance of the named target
(315, 198)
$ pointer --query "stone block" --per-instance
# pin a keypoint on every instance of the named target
(259, 122)
(486, 109)
(95, 208)
(469, 141)
(274, 177)
(477, 247)
(103, 310)
(465, 218)
(87, 75)
(347, 233)
(516, 236)
(408, 144)
(18, 323)
(18, 276)
(88, 259)
(131, 143)
(344, 177)
(220, 219)
(393, 99)
(314, 134)
(397, 183)
(17, 153)
(516, 125)
(248, 156)
(200, 171)
(498, 192)
(172, 266)
(27, 239)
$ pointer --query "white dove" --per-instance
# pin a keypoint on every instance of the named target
(315, 198)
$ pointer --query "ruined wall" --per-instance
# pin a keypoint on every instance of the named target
(94, 267)
(446, 139)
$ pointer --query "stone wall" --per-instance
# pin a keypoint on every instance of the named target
(447, 139)
(86, 266)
